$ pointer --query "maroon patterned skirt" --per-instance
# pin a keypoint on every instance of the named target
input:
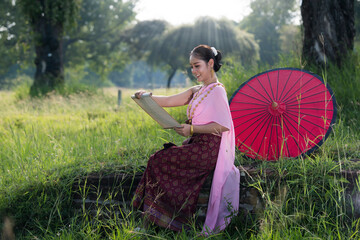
(170, 186)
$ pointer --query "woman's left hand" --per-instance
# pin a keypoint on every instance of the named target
(184, 130)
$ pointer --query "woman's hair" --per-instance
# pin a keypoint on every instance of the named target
(205, 53)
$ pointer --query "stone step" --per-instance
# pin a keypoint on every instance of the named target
(113, 192)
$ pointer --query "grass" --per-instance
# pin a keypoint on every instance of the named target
(48, 143)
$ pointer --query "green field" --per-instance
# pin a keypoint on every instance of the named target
(47, 143)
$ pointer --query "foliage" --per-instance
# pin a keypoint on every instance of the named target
(219, 33)
(14, 40)
(83, 75)
(93, 33)
(139, 74)
(103, 36)
(64, 12)
(16, 76)
(345, 84)
(143, 37)
(176, 44)
(291, 40)
(98, 38)
(265, 22)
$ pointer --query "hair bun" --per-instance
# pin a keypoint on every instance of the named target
(205, 52)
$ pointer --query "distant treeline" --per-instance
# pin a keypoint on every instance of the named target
(101, 43)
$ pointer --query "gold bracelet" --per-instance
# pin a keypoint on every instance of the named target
(191, 130)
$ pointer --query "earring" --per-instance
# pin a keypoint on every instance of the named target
(212, 72)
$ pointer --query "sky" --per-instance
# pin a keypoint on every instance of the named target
(187, 11)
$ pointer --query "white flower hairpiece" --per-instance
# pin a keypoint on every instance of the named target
(214, 51)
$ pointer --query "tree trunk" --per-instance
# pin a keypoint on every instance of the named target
(49, 73)
(329, 30)
(172, 74)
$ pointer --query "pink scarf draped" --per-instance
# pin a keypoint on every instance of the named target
(226, 180)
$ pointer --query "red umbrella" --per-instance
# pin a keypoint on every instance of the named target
(282, 113)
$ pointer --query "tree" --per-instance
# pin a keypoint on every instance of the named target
(265, 22)
(47, 19)
(329, 30)
(99, 38)
(141, 40)
(143, 37)
(290, 39)
(14, 38)
(70, 33)
(172, 52)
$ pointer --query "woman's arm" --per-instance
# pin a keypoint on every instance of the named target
(213, 128)
(176, 100)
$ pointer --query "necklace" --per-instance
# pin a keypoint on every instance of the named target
(191, 110)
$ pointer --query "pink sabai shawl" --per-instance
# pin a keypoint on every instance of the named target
(226, 180)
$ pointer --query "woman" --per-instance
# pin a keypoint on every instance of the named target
(170, 186)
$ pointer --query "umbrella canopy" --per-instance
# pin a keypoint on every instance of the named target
(282, 113)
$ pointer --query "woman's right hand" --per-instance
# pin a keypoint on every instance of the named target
(139, 93)
(184, 130)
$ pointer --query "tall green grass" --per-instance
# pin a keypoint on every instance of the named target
(308, 200)
(47, 143)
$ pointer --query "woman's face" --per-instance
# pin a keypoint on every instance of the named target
(200, 69)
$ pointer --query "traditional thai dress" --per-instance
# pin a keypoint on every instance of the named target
(170, 186)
